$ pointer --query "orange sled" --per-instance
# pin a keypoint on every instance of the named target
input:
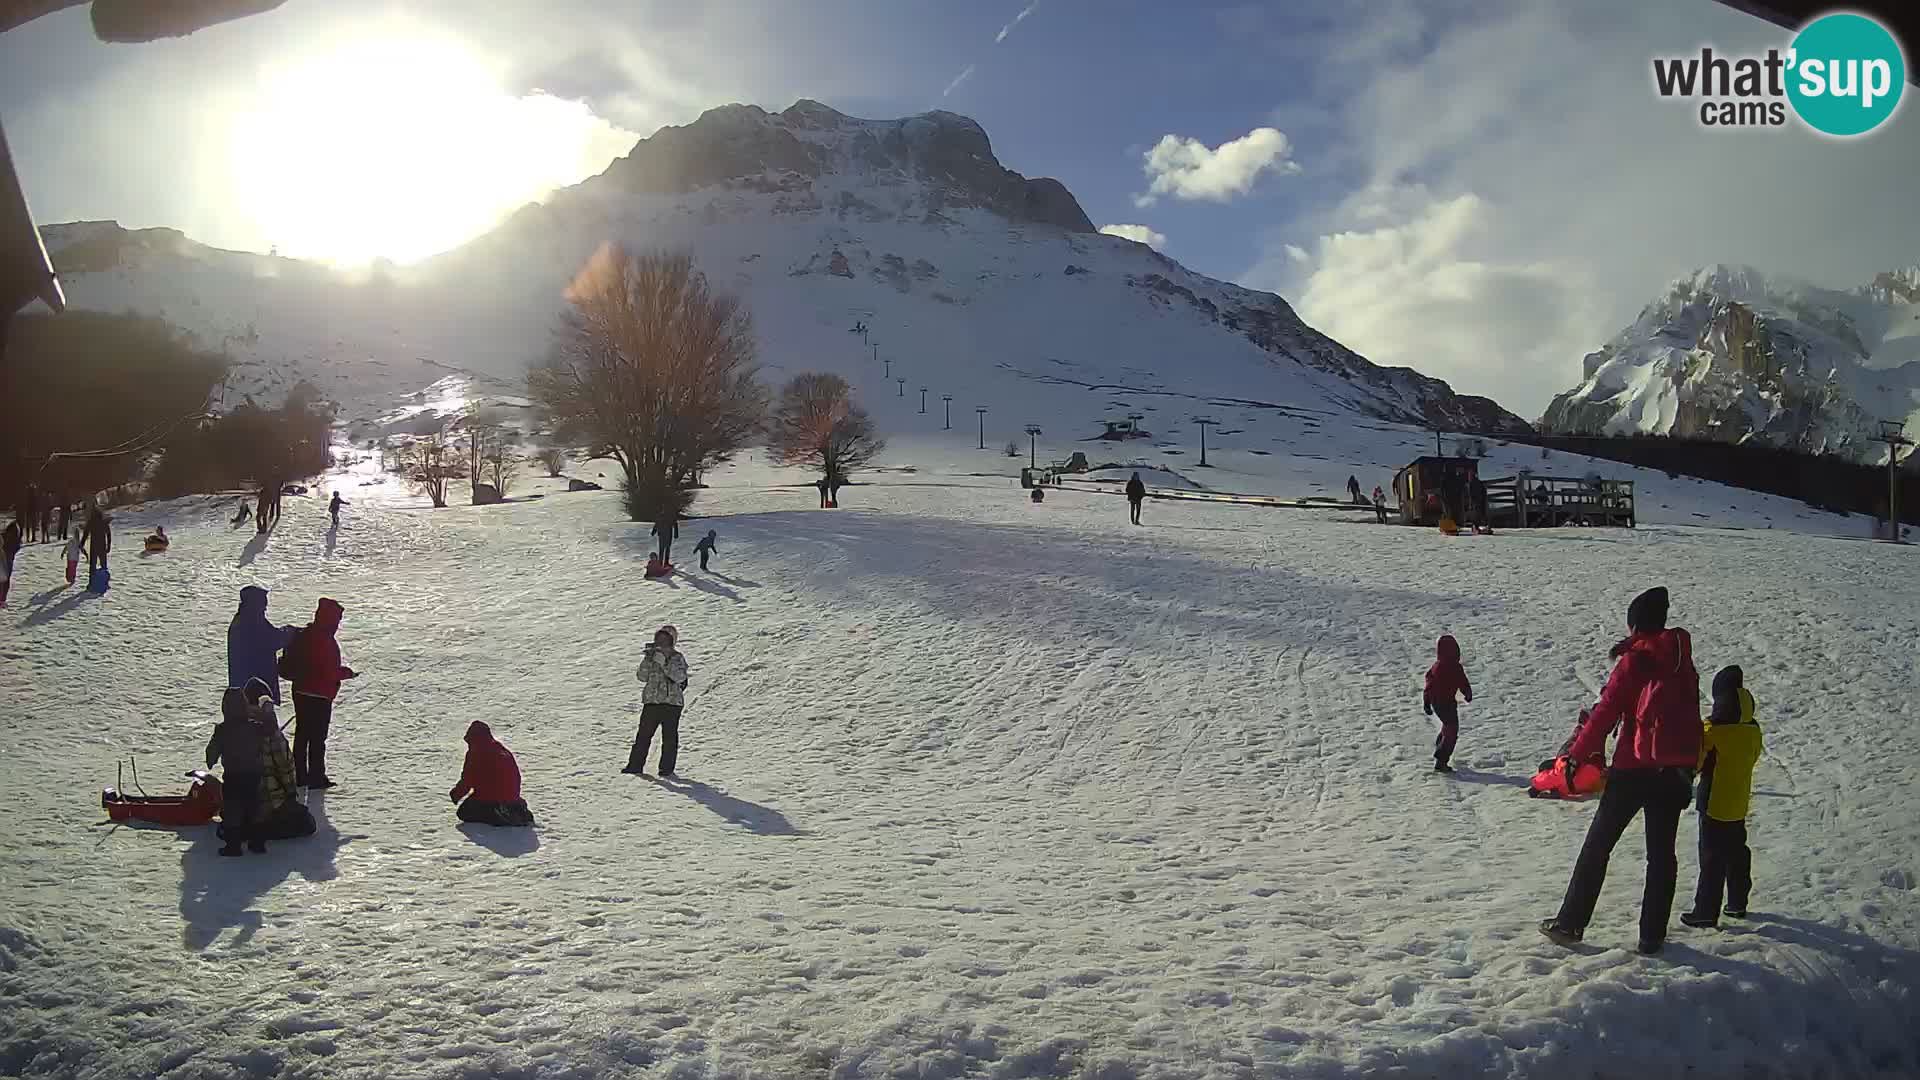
(199, 806)
(1551, 781)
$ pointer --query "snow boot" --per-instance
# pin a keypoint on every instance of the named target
(1735, 913)
(1698, 922)
(1559, 935)
(231, 850)
(1442, 767)
(258, 847)
(1649, 947)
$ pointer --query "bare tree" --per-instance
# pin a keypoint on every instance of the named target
(503, 465)
(817, 423)
(426, 462)
(655, 370)
(555, 460)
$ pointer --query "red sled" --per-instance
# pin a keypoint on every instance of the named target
(199, 806)
(1551, 781)
(656, 568)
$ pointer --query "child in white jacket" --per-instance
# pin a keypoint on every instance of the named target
(76, 547)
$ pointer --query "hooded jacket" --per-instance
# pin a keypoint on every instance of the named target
(319, 665)
(1653, 697)
(707, 543)
(1446, 677)
(1136, 490)
(253, 643)
(490, 774)
(1729, 749)
(238, 739)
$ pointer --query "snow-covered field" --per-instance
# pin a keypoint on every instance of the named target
(974, 788)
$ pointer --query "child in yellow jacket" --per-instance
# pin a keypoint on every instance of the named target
(1728, 751)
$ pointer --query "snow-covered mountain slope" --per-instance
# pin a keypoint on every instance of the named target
(1732, 354)
(974, 281)
(973, 788)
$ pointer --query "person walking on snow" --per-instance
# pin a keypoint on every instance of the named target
(492, 777)
(822, 485)
(254, 643)
(239, 743)
(9, 550)
(1653, 696)
(1136, 494)
(663, 693)
(1379, 504)
(76, 547)
(1728, 751)
(334, 506)
(1444, 679)
(1353, 490)
(317, 674)
(706, 547)
(668, 530)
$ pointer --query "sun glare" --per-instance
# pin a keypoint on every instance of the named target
(401, 147)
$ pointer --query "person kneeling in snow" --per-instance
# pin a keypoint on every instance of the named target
(492, 777)
(282, 815)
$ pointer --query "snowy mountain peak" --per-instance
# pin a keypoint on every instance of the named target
(1731, 353)
(943, 158)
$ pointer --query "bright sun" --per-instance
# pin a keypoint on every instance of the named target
(400, 147)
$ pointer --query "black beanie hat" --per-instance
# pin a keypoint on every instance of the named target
(1648, 611)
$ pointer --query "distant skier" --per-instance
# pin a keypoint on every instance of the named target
(312, 662)
(1379, 504)
(1444, 679)
(663, 694)
(1655, 691)
(1136, 494)
(706, 547)
(1728, 751)
(822, 485)
(1353, 491)
(667, 528)
(492, 777)
(9, 550)
(333, 508)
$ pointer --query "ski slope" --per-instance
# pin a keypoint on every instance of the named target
(974, 788)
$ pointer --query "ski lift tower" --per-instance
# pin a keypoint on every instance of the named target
(1203, 421)
(1893, 433)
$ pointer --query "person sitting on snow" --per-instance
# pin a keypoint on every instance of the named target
(492, 778)
(282, 815)
(239, 742)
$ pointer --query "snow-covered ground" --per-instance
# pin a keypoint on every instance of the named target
(974, 787)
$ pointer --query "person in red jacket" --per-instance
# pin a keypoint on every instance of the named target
(492, 778)
(1653, 697)
(1444, 679)
(317, 674)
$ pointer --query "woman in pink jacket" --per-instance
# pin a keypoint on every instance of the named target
(1653, 697)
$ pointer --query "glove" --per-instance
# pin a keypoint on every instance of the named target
(1569, 769)
(453, 797)
(1427, 705)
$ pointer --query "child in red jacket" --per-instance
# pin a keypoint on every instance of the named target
(1444, 679)
(492, 778)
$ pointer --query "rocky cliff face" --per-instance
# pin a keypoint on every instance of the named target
(1731, 354)
(945, 157)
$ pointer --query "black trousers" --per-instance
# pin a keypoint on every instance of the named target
(504, 814)
(1448, 713)
(666, 720)
(1662, 794)
(703, 558)
(1135, 505)
(666, 549)
(1726, 867)
(239, 808)
(312, 716)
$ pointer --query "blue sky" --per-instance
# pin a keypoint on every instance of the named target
(1481, 189)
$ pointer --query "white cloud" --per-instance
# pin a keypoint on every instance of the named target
(1186, 169)
(1137, 233)
(957, 80)
(1297, 253)
(1520, 193)
(1008, 29)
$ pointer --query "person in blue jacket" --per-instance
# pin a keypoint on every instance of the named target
(254, 643)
